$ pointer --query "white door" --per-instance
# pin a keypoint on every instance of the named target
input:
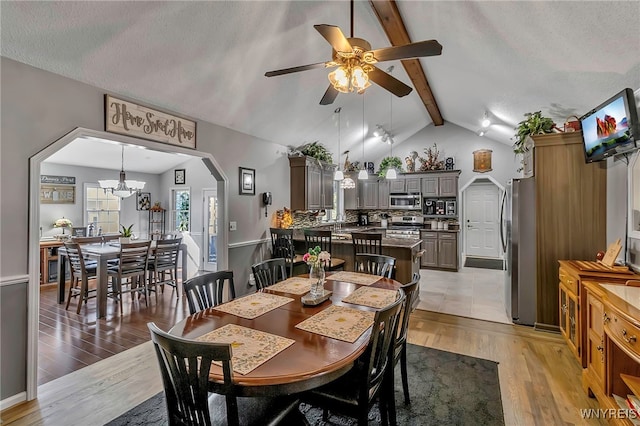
(210, 215)
(482, 226)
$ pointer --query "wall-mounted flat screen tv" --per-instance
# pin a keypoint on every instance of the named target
(611, 128)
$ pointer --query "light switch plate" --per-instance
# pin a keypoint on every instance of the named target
(233, 226)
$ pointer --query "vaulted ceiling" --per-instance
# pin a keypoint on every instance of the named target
(207, 60)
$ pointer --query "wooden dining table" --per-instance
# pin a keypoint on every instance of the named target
(311, 361)
(102, 253)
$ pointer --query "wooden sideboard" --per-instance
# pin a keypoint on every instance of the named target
(573, 313)
(613, 346)
(48, 259)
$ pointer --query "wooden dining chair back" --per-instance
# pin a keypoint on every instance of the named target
(282, 247)
(411, 291)
(132, 270)
(375, 264)
(354, 393)
(163, 265)
(322, 238)
(364, 242)
(81, 272)
(207, 290)
(185, 366)
(269, 272)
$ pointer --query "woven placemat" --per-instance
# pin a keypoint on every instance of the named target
(339, 322)
(371, 296)
(294, 285)
(354, 277)
(253, 305)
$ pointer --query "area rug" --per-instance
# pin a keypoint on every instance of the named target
(445, 389)
(478, 262)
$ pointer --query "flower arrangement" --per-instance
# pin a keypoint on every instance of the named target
(62, 223)
(316, 257)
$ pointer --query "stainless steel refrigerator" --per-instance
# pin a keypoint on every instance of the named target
(518, 234)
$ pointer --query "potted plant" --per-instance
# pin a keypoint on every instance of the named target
(534, 124)
(389, 163)
(312, 149)
(125, 233)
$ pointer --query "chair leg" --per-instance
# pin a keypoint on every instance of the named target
(72, 284)
(403, 372)
(83, 290)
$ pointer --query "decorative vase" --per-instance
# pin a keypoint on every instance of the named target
(317, 274)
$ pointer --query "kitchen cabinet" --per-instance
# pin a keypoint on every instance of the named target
(368, 194)
(397, 186)
(441, 184)
(383, 193)
(311, 183)
(440, 250)
(569, 323)
(595, 336)
(413, 185)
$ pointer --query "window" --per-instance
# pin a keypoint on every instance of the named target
(180, 209)
(102, 209)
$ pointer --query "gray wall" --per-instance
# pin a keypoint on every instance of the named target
(37, 108)
(13, 330)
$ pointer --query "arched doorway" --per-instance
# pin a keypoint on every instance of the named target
(221, 187)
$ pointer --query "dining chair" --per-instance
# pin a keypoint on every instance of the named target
(364, 242)
(322, 239)
(185, 366)
(207, 290)
(282, 247)
(163, 265)
(354, 393)
(82, 271)
(269, 272)
(375, 264)
(131, 269)
(400, 345)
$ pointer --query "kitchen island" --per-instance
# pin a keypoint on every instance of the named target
(406, 251)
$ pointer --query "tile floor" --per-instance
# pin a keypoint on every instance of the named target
(471, 292)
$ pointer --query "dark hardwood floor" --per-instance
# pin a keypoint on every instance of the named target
(68, 341)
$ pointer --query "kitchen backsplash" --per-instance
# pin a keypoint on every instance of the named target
(306, 219)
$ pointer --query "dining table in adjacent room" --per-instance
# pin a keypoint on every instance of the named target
(282, 346)
(102, 253)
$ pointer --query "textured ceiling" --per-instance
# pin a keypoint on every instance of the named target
(207, 60)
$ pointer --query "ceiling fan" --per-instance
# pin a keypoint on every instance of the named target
(356, 63)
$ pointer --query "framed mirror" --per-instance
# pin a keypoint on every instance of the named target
(634, 195)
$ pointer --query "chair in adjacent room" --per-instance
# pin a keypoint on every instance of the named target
(322, 239)
(163, 265)
(364, 242)
(375, 264)
(354, 393)
(82, 270)
(131, 271)
(207, 290)
(185, 366)
(411, 291)
(269, 272)
(282, 247)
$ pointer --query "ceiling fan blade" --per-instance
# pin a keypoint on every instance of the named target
(296, 69)
(329, 96)
(389, 82)
(335, 37)
(411, 50)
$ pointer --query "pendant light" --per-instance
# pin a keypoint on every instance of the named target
(338, 175)
(391, 172)
(363, 175)
(124, 187)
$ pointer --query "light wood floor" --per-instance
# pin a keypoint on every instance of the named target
(539, 378)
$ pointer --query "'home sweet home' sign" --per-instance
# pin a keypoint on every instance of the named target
(127, 118)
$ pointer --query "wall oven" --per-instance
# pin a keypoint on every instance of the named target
(405, 201)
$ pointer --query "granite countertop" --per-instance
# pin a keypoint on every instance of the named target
(298, 235)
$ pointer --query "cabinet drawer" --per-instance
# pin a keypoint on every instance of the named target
(424, 235)
(446, 236)
(624, 332)
(569, 281)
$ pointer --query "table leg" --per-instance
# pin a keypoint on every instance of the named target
(62, 272)
(184, 264)
(102, 285)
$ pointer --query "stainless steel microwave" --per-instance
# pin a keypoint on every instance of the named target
(405, 201)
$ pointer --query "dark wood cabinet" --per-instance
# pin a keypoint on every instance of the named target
(49, 261)
(311, 184)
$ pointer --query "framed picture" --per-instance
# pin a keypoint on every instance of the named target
(144, 201)
(180, 177)
(247, 181)
(57, 194)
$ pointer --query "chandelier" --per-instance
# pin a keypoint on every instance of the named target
(122, 188)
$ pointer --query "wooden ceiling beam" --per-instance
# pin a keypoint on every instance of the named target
(393, 25)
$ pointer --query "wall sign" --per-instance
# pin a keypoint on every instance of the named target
(52, 194)
(127, 118)
(64, 180)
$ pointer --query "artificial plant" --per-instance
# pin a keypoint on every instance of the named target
(534, 124)
(389, 163)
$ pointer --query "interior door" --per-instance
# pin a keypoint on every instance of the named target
(210, 215)
(482, 220)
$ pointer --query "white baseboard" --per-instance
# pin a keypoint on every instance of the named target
(13, 400)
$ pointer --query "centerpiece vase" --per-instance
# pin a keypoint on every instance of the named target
(316, 273)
